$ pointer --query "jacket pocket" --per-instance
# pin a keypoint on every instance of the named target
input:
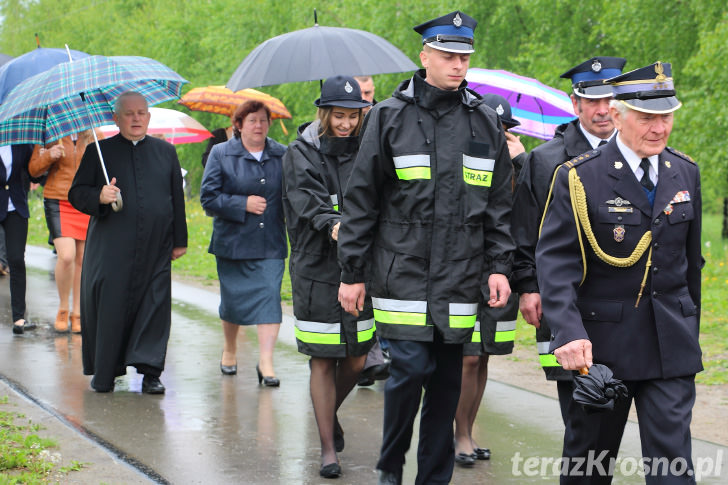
(609, 214)
(600, 310)
(681, 212)
(687, 306)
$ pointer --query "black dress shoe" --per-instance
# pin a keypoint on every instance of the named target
(338, 436)
(332, 470)
(482, 453)
(101, 388)
(365, 381)
(464, 459)
(389, 478)
(152, 385)
(229, 370)
(267, 380)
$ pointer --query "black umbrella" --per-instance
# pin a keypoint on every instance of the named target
(318, 53)
(597, 390)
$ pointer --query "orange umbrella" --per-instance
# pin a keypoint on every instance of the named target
(221, 100)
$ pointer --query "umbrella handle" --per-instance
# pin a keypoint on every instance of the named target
(584, 371)
(117, 205)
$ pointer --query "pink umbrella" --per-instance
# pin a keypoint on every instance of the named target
(175, 126)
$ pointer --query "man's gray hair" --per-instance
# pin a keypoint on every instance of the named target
(619, 106)
(363, 79)
(119, 103)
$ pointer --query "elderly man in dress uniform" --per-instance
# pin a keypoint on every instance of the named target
(592, 127)
(618, 265)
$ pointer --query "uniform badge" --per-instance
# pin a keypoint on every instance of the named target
(668, 164)
(457, 21)
(668, 209)
(618, 165)
(596, 66)
(500, 110)
(348, 88)
(660, 71)
(619, 202)
(619, 233)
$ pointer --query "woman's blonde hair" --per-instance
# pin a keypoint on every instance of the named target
(324, 117)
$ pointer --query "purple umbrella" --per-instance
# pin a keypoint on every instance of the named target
(539, 108)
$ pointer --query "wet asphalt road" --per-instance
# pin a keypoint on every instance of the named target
(213, 429)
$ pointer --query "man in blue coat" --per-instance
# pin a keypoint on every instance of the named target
(618, 265)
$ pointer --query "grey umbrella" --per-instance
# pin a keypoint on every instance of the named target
(318, 53)
(5, 58)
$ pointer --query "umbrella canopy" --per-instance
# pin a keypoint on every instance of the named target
(598, 390)
(318, 53)
(48, 106)
(539, 108)
(177, 127)
(31, 63)
(4, 58)
(221, 100)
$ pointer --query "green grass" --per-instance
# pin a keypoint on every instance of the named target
(199, 265)
(25, 457)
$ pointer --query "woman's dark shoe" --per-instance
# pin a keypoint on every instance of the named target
(332, 470)
(482, 453)
(338, 436)
(26, 325)
(266, 380)
(464, 459)
(228, 370)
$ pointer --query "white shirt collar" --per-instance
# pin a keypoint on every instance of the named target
(634, 161)
(594, 140)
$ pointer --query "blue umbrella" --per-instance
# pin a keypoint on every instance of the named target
(29, 64)
(4, 58)
(76, 96)
(49, 105)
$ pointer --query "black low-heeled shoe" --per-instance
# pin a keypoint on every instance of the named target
(464, 459)
(20, 329)
(267, 380)
(332, 470)
(482, 453)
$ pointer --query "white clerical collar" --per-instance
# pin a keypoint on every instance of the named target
(634, 161)
(137, 141)
(594, 140)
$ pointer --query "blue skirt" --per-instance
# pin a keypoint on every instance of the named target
(250, 290)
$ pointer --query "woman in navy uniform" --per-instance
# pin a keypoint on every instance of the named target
(316, 169)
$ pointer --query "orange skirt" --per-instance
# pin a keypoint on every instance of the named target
(63, 220)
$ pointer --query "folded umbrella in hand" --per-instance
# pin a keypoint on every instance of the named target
(598, 390)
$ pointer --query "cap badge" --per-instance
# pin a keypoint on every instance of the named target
(500, 109)
(660, 71)
(596, 66)
(668, 164)
(348, 88)
(457, 21)
(618, 165)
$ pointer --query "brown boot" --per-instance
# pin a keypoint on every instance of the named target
(75, 323)
(61, 324)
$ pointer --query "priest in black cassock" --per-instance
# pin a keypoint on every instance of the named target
(126, 279)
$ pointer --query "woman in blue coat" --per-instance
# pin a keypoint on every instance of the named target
(241, 189)
(316, 169)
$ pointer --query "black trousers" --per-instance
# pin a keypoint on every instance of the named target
(436, 367)
(664, 411)
(16, 235)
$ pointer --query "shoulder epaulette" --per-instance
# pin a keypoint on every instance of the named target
(680, 154)
(582, 158)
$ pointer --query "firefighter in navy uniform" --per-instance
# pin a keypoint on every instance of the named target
(427, 211)
(618, 265)
(590, 99)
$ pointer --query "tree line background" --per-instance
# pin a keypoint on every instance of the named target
(205, 40)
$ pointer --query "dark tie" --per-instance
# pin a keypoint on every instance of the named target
(602, 143)
(645, 180)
